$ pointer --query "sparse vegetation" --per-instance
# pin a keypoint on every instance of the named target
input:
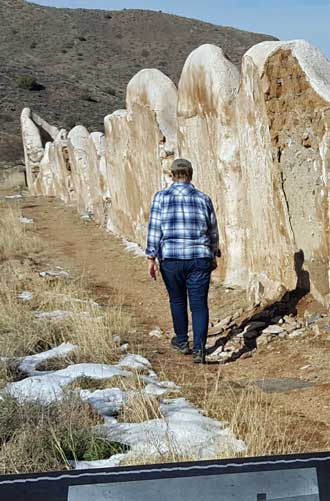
(35, 437)
(15, 238)
(27, 82)
(109, 40)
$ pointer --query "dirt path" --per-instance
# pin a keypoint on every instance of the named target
(110, 271)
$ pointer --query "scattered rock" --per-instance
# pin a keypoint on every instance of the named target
(297, 332)
(289, 320)
(234, 344)
(157, 332)
(221, 326)
(236, 315)
(290, 327)
(266, 339)
(316, 330)
(124, 347)
(313, 319)
(273, 329)
(248, 354)
(252, 326)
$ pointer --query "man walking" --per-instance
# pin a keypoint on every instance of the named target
(183, 236)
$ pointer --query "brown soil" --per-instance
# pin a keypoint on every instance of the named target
(85, 250)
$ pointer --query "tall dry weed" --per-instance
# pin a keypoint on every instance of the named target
(15, 237)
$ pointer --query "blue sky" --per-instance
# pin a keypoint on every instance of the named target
(286, 19)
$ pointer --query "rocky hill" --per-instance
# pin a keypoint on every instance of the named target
(72, 66)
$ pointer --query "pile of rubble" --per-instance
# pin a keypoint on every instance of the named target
(229, 340)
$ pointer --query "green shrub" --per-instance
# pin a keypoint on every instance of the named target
(35, 437)
(27, 82)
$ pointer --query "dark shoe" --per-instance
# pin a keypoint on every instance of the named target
(199, 357)
(182, 347)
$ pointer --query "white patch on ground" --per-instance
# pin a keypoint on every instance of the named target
(29, 364)
(26, 220)
(59, 314)
(69, 299)
(158, 389)
(182, 428)
(49, 386)
(86, 217)
(13, 197)
(102, 463)
(134, 362)
(54, 274)
(106, 402)
(25, 296)
(134, 248)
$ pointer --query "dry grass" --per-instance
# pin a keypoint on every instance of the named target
(254, 416)
(139, 407)
(15, 237)
(20, 334)
(92, 328)
(128, 383)
(34, 437)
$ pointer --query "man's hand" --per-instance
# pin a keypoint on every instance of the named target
(214, 264)
(152, 268)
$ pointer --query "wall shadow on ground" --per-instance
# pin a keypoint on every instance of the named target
(286, 305)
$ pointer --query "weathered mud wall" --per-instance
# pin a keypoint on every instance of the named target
(98, 180)
(268, 238)
(259, 144)
(208, 136)
(140, 142)
(293, 79)
(33, 144)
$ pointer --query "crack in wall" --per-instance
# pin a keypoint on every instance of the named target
(287, 206)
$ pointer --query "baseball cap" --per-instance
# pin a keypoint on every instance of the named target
(181, 164)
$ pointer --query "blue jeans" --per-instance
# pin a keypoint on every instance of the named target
(192, 276)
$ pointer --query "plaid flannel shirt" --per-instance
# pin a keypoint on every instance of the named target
(182, 224)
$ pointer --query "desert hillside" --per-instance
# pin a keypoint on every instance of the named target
(82, 60)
